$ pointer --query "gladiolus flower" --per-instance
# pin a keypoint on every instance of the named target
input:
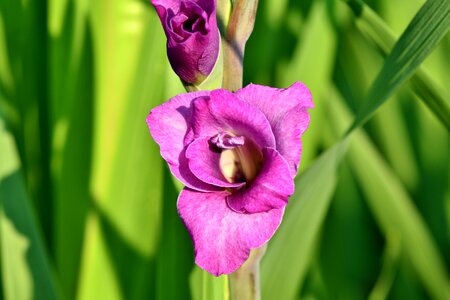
(192, 36)
(237, 154)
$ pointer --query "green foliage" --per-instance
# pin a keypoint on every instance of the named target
(425, 31)
(206, 287)
(88, 208)
(26, 271)
(393, 209)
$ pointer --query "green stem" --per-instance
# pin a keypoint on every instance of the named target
(233, 70)
(244, 283)
(239, 28)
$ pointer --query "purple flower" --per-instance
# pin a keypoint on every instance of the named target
(192, 36)
(237, 154)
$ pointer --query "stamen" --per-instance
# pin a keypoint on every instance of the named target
(227, 141)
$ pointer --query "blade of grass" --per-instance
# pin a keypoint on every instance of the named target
(423, 34)
(432, 143)
(26, 270)
(381, 35)
(358, 66)
(389, 268)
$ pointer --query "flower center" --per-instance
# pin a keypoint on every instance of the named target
(240, 159)
(191, 18)
(195, 24)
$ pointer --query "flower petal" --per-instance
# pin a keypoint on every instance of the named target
(223, 112)
(208, 5)
(174, 5)
(290, 127)
(194, 58)
(286, 110)
(223, 238)
(271, 188)
(168, 124)
(204, 163)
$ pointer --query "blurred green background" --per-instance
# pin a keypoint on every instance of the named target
(88, 208)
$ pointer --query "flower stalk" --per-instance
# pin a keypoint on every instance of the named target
(239, 28)
(244, 283)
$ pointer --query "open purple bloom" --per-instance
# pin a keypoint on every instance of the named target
(237, 154)
(192, 36)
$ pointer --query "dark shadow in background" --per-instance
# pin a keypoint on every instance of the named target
(16, 207)
(26, 35)
(350, 242)
(128, 264)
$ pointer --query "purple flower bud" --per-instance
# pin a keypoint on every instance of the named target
(192, 36)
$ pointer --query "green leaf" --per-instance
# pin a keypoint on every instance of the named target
(25, 88)
(204, 286)
(395, 212)
(389, 268)
(392, 206)
(289, 253)
(71, 78)
(433, 95)
(374, 28)
(423, 34)
(26, 271)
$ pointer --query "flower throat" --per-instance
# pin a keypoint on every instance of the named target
(240, 159)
